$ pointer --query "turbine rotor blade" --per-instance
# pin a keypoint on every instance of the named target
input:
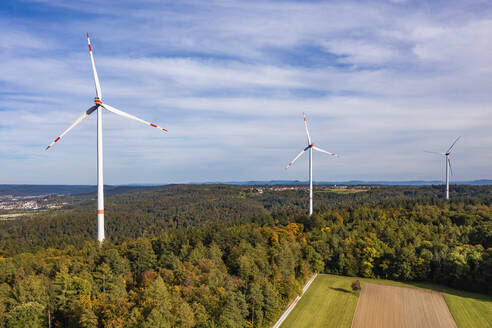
(450, 168)
(307, 131)
(449, 149)
(77, 121)
(121, 113)
(295, 159)
(434, 152)
(96, 78)
(324, 151)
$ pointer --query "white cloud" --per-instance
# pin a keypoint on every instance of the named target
(360, 52)
(379, 82)
(467, 46)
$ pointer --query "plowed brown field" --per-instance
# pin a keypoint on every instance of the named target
(382, 306)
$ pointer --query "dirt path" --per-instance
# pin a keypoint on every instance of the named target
(294, 302)
(382, 306)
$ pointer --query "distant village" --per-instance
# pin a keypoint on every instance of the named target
(37, 202)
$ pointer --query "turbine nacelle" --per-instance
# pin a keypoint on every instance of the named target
(309, 146)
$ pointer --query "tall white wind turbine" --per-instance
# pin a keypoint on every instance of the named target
(99, 105)
(310, 146)
(448, 163)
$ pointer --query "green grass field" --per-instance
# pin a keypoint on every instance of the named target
(329, 302)
(341, 191)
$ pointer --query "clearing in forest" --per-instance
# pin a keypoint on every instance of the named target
(384, 306)
(329, 302)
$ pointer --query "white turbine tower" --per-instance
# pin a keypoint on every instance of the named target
(310, 146)
(99, 105)
(448, 163)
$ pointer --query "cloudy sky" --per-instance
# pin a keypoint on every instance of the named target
(379, 83)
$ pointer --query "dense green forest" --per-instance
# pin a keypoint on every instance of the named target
(228, 256)
(133, 212)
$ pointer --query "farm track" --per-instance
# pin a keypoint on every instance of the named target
(382, 306)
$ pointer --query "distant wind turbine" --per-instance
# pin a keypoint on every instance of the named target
(99, 105)
(310, 146)
(448, 163)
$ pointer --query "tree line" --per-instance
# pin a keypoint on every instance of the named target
(133, 212)
(234, 258)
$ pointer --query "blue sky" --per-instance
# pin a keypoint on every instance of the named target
(380, 82)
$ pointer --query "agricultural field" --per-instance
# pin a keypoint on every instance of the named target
(341, 191)
(381, 306)
(329, 302)
(469, 310)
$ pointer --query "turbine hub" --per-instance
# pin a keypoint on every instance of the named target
(97, 101)
(311, 145)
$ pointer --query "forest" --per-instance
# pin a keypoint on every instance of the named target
(228, 256)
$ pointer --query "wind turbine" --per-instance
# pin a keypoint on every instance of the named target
(448, 163)
(310, 146)
(99, 105)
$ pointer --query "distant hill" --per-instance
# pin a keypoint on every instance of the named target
(35, 190)
(31, 190)
(357, 182)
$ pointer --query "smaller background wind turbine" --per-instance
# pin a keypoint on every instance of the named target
(309, 147)
(448, 163)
